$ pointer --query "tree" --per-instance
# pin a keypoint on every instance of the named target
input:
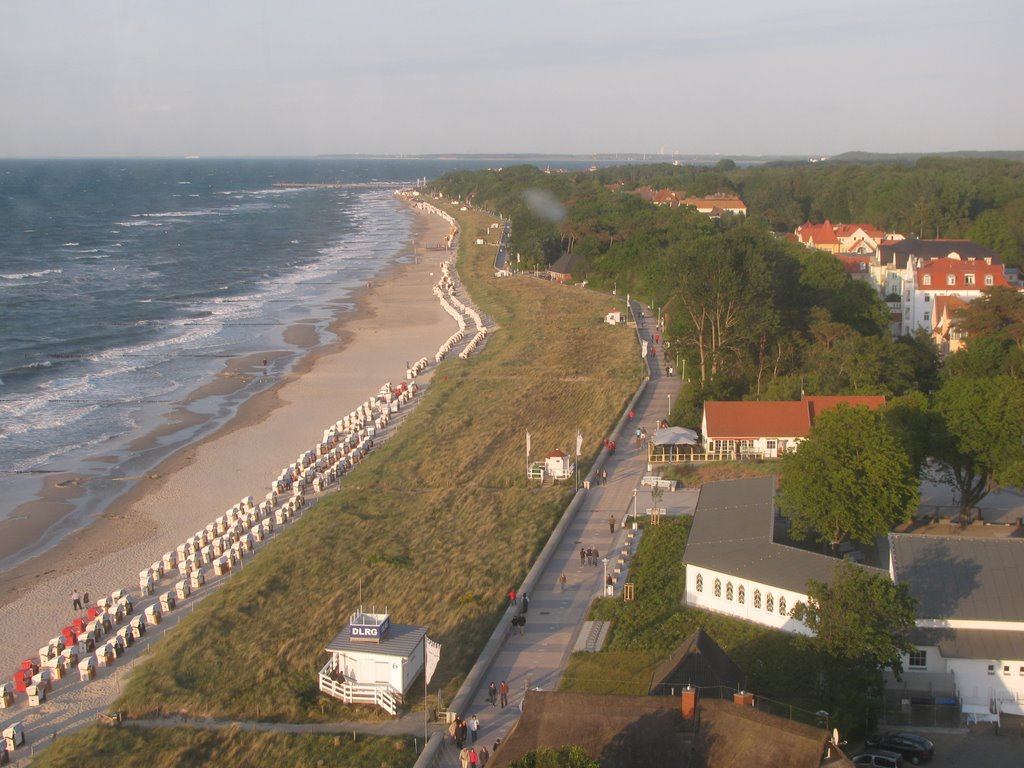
(979, 446)
(564, 757)
(861, 623)
(849, 478)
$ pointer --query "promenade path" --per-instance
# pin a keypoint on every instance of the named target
(538, 657)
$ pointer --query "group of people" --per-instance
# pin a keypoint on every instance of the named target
(494, 690)
(77, 600)
(459, 730)
(589, 556)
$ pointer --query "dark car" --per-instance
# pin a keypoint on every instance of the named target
(916, 749)
(878, 758)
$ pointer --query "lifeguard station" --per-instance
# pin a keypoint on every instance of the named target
(376, 662)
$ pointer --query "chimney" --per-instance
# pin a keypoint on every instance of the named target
(688, 703)
(743, 698)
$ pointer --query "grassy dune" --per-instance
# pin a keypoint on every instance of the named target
(436, 525)
(188, 747)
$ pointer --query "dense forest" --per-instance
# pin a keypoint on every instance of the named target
(752, 315)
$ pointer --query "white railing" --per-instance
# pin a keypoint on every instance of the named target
(383, 695)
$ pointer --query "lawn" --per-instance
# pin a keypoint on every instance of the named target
(184, 747)
(436, 525)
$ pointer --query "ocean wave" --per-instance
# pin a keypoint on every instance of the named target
(69, 245)
(26, 275)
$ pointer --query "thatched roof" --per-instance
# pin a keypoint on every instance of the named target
(618, 731)
(629, 731)
(700, 662)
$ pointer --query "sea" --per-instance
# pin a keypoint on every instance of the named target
(127, 284)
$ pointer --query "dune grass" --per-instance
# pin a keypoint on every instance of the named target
(187, 747)
(436, 525)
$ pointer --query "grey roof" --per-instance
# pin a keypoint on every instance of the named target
(960, 578)
(897, 253)
(972, 643)
(675, 436)
(733, 530)
(401, 640)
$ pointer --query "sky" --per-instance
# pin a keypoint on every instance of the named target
(808, 78)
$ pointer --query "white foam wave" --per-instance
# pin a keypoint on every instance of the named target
(26, 275)
(69, 245)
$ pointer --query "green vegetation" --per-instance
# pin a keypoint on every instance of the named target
(850, 478)
(861, 622)
(185, 747)
(436, 524)
(564, 757)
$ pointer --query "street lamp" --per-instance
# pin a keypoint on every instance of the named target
(604, 560)
(669, 396)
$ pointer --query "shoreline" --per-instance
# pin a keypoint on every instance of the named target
(396, 318)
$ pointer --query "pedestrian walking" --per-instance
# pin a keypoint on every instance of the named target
(561, 585)
(526, 603)
(85, 599)
(583, 556)
(484, 756)
(503, 690)
(611, 523)
(474, 758)
(463, 757)
(597, 555)
(522, 623)
(463, 732)
(604, 476)
(76, 600)
(512, 596)
(453, 730)
(474, 729)
(492, 693)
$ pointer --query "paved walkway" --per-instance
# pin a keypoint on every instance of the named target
(538, 657)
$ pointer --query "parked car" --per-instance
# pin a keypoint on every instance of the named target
(916, 749)
(879, 758)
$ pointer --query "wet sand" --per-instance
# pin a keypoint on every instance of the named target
(398, 320)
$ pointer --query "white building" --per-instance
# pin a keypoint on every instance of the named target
(734, 565)
(970, 618)
(373, 661)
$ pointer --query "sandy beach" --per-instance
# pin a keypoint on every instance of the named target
(398, 320)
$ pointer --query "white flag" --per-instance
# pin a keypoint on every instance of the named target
(433, 651)
(527, 445)
(579, 443)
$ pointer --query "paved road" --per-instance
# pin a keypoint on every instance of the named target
(537, 658)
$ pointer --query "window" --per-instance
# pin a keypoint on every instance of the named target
(1006, 669)
(700, 582)
(968, 279)
(757, 599)
(926, 280)
(989, 280)
(927, 315)
(1022, 671)
(918, 659)
(718, 587)
(770, 444)
(769, 603)
(950, 279)
(741, 598)
(991, 669)
(782, 606)
(728, 590)
(927, 298)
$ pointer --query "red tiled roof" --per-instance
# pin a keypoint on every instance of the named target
(821, 234)
(849, 230)
(816, 404)
(749, 419)
(737, 420)
(854, 263)
(940, 269)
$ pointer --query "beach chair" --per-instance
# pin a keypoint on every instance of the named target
(167, 602)
(145, 584)
(182, 589)
(87, 669)
(6, 695)
(104, 655)
(126, 635)
(152, 614)
(170, 561)
(196, 579)
(137, 626)
(14, 736)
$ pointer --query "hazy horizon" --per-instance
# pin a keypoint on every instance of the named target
(560, 77)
